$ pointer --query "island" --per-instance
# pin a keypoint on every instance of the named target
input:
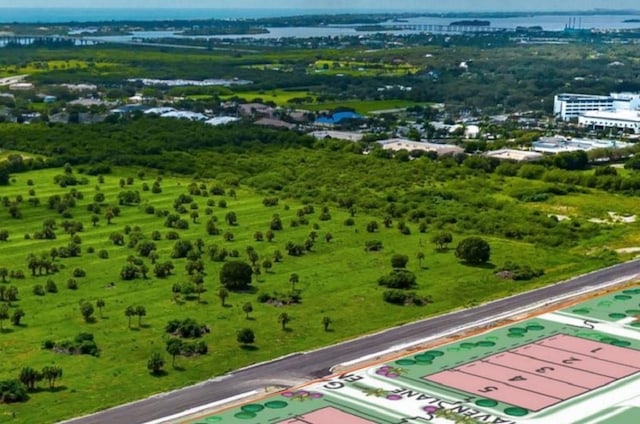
(474, 22)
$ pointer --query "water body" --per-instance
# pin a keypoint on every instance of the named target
(57, 15)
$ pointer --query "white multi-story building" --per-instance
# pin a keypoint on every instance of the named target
(621, 119)
(568, 106)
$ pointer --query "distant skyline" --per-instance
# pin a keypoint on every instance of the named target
(335, 5)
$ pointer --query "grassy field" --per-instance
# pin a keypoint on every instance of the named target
(50, 65)
(279, 97)
(362, 69)
(362, 106)
(337, 279)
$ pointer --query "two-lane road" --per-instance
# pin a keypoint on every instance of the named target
(317, 363)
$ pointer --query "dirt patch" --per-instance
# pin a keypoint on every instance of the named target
(628, 250)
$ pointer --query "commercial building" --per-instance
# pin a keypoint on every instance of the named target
(514, 155)
(396, 144)
(560, 144)
(623, 119)
(568, 106)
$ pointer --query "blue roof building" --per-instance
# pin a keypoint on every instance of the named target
(338, 117)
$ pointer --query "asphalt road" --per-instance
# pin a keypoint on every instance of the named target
(316, 364)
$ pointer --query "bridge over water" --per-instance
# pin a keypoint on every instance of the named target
(26, 40)
(452, 29)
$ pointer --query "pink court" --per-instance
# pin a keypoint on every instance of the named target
(541, 374)
(327, 415)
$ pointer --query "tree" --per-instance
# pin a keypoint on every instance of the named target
(247, 308)
(236, 275)
(155, 363)
(372, 227)
(246, 336)
(328, 237)
(141, 311)
(442, 240)
(326, 321)
(175, 290)
(399, 261)
(398, 279)
(4, 272)
(420, 258)
(29, 377)
(51, 373)
(4, 314)
(294, 279)
(129, 312)
(284, 319)
(474, 251)
(267, 265)
(86, 309)
(11, 294)
(223, 294)
(100, 304)
(17, 316)
(174, 348)
(231, 218)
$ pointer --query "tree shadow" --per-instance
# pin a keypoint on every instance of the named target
(249, 348)
(6, 330)
(55, 389)
(226, 305)
(91, 320)
(134, 329)
(329, 330)
(203, 302)
(106, 317)
(250, 319)
(248, 290)
(159, 374)
(487, 265)
(179, 368)
(145, 325)
(287, 330)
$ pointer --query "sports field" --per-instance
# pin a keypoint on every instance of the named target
(576, 365)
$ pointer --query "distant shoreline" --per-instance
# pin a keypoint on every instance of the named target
(78, 16)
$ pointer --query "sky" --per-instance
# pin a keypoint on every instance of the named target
(332, 5)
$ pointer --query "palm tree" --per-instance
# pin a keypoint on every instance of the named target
(223, 294)
(284, 319)
(4, 272)
(247, 308)
(293, 279)
(51, 373)
(325, 322)
(174, 348)
(155, 363)
(129, 312)
(141, 312)
(4, 314)
(100, 304)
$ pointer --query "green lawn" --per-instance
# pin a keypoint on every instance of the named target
(279, 97)
(362, 106)
(337, 279)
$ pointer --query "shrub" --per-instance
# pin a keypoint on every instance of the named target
(38, 290)
(79, 272)
(72, 284)
(372, 245)
(51, 286)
